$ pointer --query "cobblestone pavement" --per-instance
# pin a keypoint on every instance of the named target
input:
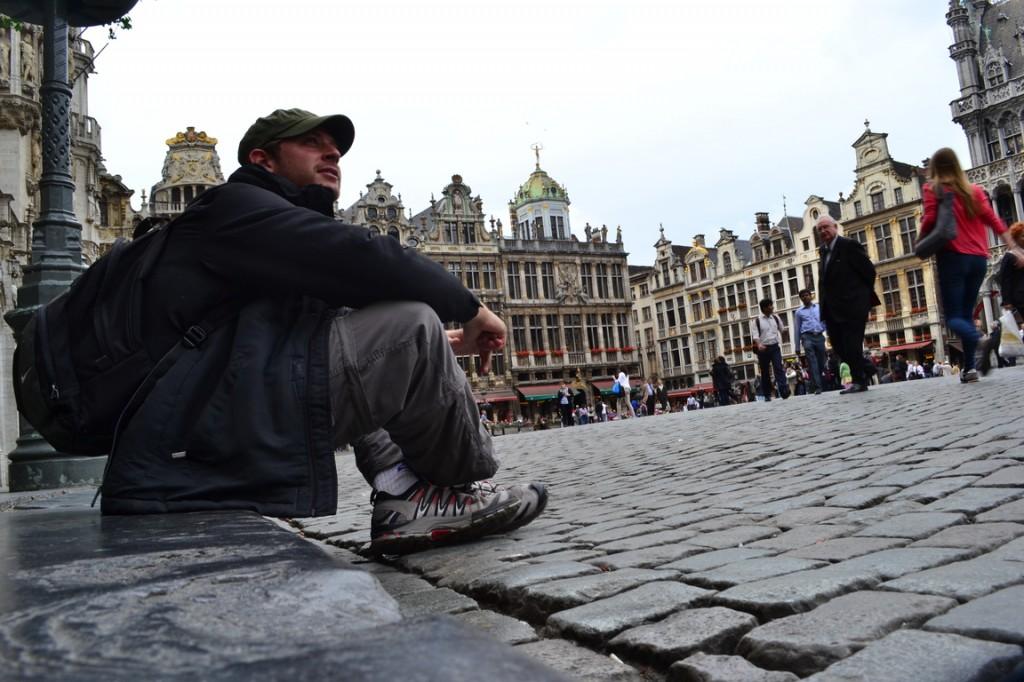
(873, 537)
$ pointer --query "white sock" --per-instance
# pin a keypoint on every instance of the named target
(395, 480)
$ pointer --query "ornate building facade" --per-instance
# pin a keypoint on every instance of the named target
(883, 212)
(565, 300)
(191, 166)
(988, 50)
(101, 201)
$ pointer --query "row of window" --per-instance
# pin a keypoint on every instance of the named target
(372, 213)
(675, 353)
(666, 275)
(531, 281)
(1004, 138)
(535, 229)
(739, 296)
(476, 276)
(567, 332)
(915, 287)
(885, 240)
(453, 232)
(878, 201)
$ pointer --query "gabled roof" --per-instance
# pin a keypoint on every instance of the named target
(791, 223)
(639, 270)
(680, 251)
(744, 250)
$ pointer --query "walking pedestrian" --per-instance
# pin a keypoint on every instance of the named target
(962, 263)
(1011, 286)
(766, 330)
(810, 334)
(847, 280)
(649, 395)
(624, 404)
(721, 379)
(565, 404)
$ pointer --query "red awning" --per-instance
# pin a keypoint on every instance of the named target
(693, 390)
(908, 346)
(500, 396)
(539, 392)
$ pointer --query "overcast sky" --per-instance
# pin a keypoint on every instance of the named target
(692, 114)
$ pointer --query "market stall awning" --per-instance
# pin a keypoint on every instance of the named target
(539, 392)
(908, 346)
(605, 385)
(692, 390)
(501, 396)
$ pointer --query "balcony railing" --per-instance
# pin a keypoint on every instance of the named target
(558, 358)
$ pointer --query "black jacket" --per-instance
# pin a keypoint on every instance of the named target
(847, 284)
(1011, 282)
(721, 375)
(243, 422)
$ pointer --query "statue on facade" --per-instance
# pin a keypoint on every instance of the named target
(29, 66)
(5, 60)
(618, 234)
(587, 230)
(604, 233)
(37, 158)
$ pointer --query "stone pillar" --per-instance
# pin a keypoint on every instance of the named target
(1017, 204)
(56, 255)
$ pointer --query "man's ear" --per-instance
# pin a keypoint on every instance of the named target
(261, 158)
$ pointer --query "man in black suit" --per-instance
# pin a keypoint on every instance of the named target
(846, 278)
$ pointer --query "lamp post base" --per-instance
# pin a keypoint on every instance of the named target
(55, 472)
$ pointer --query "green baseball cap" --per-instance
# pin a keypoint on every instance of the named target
(285, 123)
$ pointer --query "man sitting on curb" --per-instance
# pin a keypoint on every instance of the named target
(332, 336)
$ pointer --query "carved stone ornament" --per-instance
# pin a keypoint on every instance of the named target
(25, 117)
(568, 288)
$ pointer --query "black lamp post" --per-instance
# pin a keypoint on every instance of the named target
(56, 257)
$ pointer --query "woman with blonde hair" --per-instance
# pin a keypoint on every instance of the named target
(962, 262)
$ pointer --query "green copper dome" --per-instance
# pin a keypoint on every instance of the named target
(539, 187)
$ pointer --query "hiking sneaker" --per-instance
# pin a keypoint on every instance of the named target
(429, 515)
(533, 498)
(969, 377)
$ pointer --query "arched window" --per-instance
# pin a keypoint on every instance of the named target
(995, 74)
(1010, 123)
(995, 151)
(393, 232)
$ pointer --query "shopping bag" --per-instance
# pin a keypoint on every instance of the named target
(1010, 345)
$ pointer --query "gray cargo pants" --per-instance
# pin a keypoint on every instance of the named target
(397, 394)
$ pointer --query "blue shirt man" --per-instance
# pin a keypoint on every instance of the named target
(811, 334)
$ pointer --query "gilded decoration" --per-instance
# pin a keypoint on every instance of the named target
(190, 136)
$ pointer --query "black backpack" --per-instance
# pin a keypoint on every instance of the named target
(80, 363)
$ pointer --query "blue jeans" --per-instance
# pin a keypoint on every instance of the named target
(814, 346)
(771, 359)
(960, 278)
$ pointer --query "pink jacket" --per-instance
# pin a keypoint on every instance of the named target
(971, 236)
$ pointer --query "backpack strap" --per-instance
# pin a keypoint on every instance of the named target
(193, 338)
